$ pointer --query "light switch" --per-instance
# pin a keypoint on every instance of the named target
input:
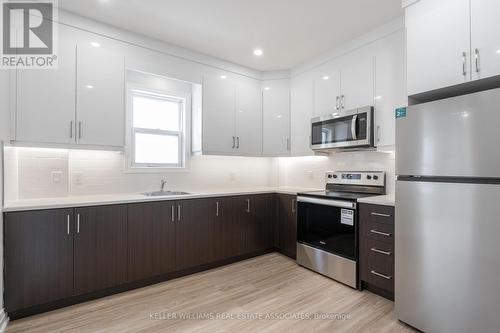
(56, 177)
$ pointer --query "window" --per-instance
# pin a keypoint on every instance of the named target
(157, 138)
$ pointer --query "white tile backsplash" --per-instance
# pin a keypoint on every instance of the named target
(28, 172)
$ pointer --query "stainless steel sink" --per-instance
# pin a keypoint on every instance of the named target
(164, 193)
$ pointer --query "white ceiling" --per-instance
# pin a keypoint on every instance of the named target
(289, 31)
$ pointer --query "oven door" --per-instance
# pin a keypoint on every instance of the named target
(329, 225)
(350, 130)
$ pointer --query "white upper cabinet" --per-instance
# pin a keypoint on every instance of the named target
(219, 103)
(45, 99)
(301, 112)
(438, 44)
(327, 89)
(356, 80)
(249, 118)
(276, 117)
(485, 27)
(390, 87)
(100, 96)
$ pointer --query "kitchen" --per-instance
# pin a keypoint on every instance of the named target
(170, 174)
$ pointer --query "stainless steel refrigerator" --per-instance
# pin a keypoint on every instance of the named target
(447, 271)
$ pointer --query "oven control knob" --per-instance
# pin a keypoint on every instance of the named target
(375, 177)
(330, 176)
(368, 177)
(334, 176)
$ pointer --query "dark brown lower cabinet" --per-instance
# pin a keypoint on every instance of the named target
(38, 257)
(100, 250)
(151, 239)
(287, 225)
(376, 248)
(192, 240)
(52, 256)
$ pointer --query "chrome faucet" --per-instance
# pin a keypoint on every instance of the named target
(163, 183)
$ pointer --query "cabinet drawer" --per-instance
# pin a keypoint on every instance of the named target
(377, 264)
(377, 222)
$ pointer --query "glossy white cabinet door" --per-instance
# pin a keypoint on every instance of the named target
(390, 87)
(100, 96)
(46, 99)
(438, 36)
(327, 89)
(249, 118)
(301, 112)
(357, 80)
(276, 113)
(485, 26)
(219, 103)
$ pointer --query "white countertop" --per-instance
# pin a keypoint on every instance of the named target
(385, 200)
(124, 198)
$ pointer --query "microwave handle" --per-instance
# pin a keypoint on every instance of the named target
(353, 127)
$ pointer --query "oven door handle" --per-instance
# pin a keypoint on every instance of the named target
(328, 202)
(353, 127)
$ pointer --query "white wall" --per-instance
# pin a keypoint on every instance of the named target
(309, 171)
(28, 173)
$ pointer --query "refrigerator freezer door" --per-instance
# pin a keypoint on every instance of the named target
(447, 260)
(456, 137)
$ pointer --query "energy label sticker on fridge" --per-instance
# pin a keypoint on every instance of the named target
(347, 217)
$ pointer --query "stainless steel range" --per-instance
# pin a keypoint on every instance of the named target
(327, 224)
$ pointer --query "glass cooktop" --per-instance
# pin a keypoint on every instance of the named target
(352, 196)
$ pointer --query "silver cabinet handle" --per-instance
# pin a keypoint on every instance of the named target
(178, 212)
(288, 144)
(378, 133)
(173, 213)
(342, 101)
(217, 208)
(476, 55)
(380, 214)
(78, 223)
(353, 127)
(387, 277)
(248, 205)
(237, 142)
(380, 251)
(293, 206)
(67, 231)
(234, 142)
(464, 63)
(337, 103)
(79, 130)
(380, 233)
(71, 129)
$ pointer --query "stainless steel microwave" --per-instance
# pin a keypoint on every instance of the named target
(343, 130)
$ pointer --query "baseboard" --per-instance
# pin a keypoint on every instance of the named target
(4, 320)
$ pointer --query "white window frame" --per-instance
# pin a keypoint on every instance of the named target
(184, 101)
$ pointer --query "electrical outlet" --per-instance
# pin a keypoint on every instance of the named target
(56, 177)
(77, 178)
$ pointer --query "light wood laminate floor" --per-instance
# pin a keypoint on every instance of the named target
(269, 285)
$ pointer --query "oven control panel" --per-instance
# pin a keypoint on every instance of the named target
(370, 178)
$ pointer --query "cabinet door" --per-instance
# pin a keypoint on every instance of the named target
(242, 224)
(222, 241)
(276, 121)
(263, 221)
(327, 89)
(100, 248)
(287, 225)
(301, 112)
(192, 227)
(219, 102)
(151, 239)
(485, 41)
(438, 36)
(357, 80)
(38, 257)
(100, 96)
(249, 119)
(45, 99)
(390, 87)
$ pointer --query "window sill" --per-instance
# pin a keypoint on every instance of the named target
(153, 170)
